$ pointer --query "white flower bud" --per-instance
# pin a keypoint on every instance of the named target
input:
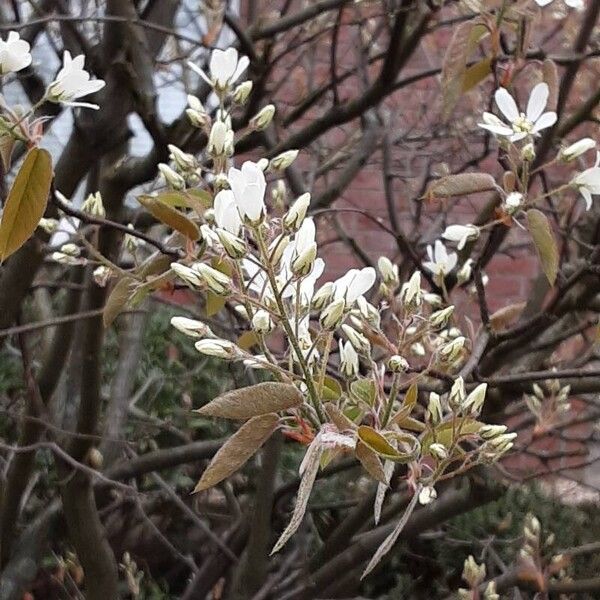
(323, 295)
(333, 314)
(438, 451)
(190, 276)
(452, 350)
(217, 282)
(220, 140)
(490, 592)
(434, 409)
(217, 347)
(192, 328)
(528, 152)
(427, 495)
(262, 163)
(538, 391)
(513, 202)
(262, 322)
(93, 205)
(68, 255)
(262, 119)
(461, 234)
(240, 309)
(242, 92)
(577, 149)
(174, 179)
(277, 247)
(348, 360)
(358, 340)
(284, 160)
(48, 225)
(474, 401)
(465, 272)
(368, 312)
(183, 161)
(389, 271)
(457, 393)
(397, 364)
(473, 573)
(101, 275)
(488, 432)
(440, 317)
(295, 215)
(411, 293)
(234, 246)
(302, 265)
(434, 300)
(418, 349)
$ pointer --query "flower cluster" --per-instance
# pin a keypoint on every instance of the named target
(357, 352)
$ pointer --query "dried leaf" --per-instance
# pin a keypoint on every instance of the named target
(388, 470)
(506, 315)
(461, 185)
(309, 468)
(390, 540)
(170, 216)
(371, 462)
(247, 402)
(544, 241)
(26, 201)
(551, 78)
(236, 451)
(118, 299)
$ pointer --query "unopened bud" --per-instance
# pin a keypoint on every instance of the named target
(295, 215)
(577, 149)
(440, 317)
(528, 152)
(192, 328)
(101, 275)
(438, 451)
(457, 393)
(474, 401)
(242, 92)
(473, 573)
(262, 322)
(513, 202)
(397, 364)
(284, 160)
(411, 293)
(302, 265)
(263, 118)
(358, 340)
(368, 312)
(48, 225)
(427, 495)
(93, 205)
(183, 160)
(349, 364)
(234, 246)
(434, 409)
(389, 271)
(217, 282)
(174, 179)
(323, 295)
(333, 314)
(219, 348)
(489, 432)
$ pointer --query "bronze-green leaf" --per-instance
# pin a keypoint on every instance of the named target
(371, 462)
(170, 216)
(118, 299)
(461, 184)
(237, 450)
(544, 241)
(247, 402)
(377, 442)
(446, 432)
(26, 201)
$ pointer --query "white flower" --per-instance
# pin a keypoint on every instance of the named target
(427, 495)
(461, 234)
(520, 125)
(73, 82)
(226, 213)
(348, 360)
(225, 68)
(93, 205)
(410, 293)
(440, 262)
(578, 4)
(576, 149)
(295, 215)
(353, 284)
(588, 183)
(248, 186)
(513, 202)
(388, 270)
(191, 327)
(14, 54)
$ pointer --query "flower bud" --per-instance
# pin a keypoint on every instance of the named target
(323, 295)
(295, 215)
(93, 205)
(192, 328)
(220, 140)
(457, 393)
(418, 349)
(241, 92)
(397, 364)
(427, 495)
(490, 592)
(48, 225)
(174, 179)
(217, 282)
(389, 271)
(438, 451)
(464, 273)
(452, 350)
(434, 409)
(262, 163)
(473, 573)
(263, 118)
(474, 401)
(440, 317)
(95, 458)
(262, 322)
(577, 149)
(348, 360)
(69, 254)
(528, 152)
(358, 340)
(488, 432)
(538, 391)
(277, 247)
(368, 312)
(190, 276)
(513, 202)
(217, 347)
(196, 113)
(333, 314)
(101, 275)
(240, 309)
(434, 300)
(284, 160)
(302, 265)
(183, 161)
(234, 246)
(411, 293)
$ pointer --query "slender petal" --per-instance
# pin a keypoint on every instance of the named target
(537, 101)
(507, 105)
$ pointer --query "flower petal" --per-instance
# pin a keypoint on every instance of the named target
(546, 120)
(507, 105)
(537, 101)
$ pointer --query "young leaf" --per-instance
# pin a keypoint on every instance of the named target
(377, 442)
(445, 433)
(461, 185)
(544, 241)
(247, 402)
(118, 299)
(338, 418)
(309, 468)
(26, 201)
(476, 74)
(370, 461)
(170, 216)
(237, 450)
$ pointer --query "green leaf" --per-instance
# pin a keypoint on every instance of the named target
(544, 241)
(170, 216)
(236, 451)
(444, 433)
(332, 390)
(379, 444)
(476, 74)
(371, 462)
(365, 390)
(118, 299)
(247, 402)
(26, 201)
